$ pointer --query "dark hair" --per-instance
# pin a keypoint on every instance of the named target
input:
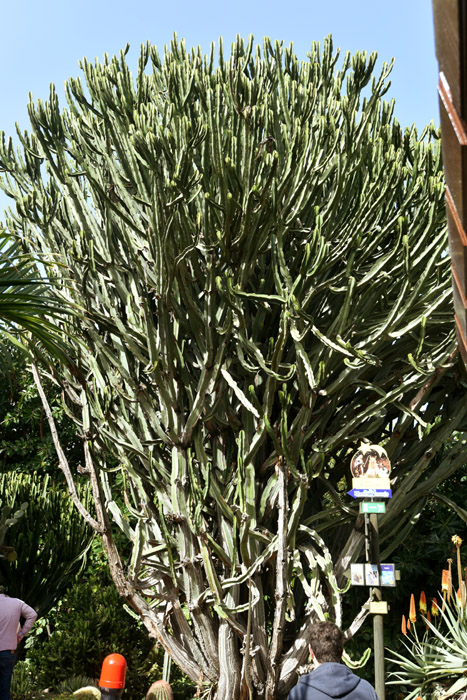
(327, 642)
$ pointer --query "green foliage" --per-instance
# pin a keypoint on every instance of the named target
(420, 557)
(260, 253)
(23, 684)
(9, 518)
(25, 441)
(69, 685)
(24, 305)
(50, 539)
(88, 624)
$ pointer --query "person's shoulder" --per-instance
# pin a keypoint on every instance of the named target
(18, 602)
(299, 691)
(370, 692)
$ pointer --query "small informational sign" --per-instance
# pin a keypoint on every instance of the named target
(371, 575)
(370, 493)
(357, 574)
(388, 574)
(372, 507)
(364, 483)
(379, 607)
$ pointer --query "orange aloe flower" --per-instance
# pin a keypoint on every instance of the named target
(445, 578)
(434, 608)
(408, 625)
(412, 612)
(422, 604)
(404, 626)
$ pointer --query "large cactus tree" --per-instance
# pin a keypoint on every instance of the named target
(259, 252)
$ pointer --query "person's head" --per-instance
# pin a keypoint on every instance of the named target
(326, 642)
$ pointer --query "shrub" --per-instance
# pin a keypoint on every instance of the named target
(23, 686)
(89, 623)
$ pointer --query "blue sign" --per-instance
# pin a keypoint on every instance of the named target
(370, 493)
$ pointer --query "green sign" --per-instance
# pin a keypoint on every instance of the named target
(370, 507)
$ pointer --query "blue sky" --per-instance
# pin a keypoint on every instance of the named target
(42, 42)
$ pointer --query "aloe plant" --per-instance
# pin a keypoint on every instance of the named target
(260, 253)
(433, 666)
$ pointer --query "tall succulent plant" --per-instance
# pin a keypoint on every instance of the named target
(49, 538)
(259, 252)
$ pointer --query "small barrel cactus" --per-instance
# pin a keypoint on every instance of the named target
(89, 692)
(160, 690)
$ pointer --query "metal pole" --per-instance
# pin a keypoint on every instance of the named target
(378, 635)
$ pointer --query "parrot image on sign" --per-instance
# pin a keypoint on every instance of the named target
(370, 461)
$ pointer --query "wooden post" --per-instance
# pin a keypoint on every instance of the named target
(450, 23)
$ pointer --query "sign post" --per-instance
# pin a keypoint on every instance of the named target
(370, 468)
(378, 619)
